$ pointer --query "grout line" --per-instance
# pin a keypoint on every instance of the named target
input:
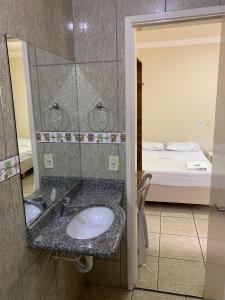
(173, 234)
(167, 293)
(159, 249)
(199, 240)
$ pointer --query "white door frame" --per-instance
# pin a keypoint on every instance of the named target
(130, 79)
(26, 65)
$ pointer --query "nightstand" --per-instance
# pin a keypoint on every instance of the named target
(210, 155)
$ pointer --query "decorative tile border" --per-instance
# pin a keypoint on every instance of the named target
(9, 168)
(81, 137)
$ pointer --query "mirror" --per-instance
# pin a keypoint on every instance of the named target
(45, 104)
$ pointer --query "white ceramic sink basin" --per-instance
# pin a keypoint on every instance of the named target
(90, 222)
(31, 212)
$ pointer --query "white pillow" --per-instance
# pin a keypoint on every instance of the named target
(152, 146)
(189, 146)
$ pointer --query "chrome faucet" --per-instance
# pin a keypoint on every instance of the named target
(65, 204)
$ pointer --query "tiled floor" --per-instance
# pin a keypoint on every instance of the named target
(98, 292)
(175, 260)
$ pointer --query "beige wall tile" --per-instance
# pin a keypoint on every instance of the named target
(104, 272)
(38, 282)
(95, 160)
(9, 262)
(69, 281)
(6, 102)
(186, 4)
(95, 30)
(25, 255)
(47, 15)
(133, 8)
(97, 82)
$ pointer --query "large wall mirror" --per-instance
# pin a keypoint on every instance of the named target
(44, 102)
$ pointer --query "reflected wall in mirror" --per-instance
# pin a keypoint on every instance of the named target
(45, 100)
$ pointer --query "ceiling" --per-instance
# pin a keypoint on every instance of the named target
(191, 32)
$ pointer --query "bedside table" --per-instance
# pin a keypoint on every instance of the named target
(210, 155)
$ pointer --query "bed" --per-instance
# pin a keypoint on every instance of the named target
(25, 154)
(172, 181)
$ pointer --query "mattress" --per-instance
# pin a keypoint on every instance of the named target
(169, 168)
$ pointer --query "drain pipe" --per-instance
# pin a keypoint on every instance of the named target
(81, 267)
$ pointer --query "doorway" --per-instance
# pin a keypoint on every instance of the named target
(132, 22)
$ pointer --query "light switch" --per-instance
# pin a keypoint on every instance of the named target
(48, 161)
(114, 163)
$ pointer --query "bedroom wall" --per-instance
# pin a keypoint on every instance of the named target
(20, 97)
(180, 85)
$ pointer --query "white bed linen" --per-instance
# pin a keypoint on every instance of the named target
(169, 168)
(25, 151)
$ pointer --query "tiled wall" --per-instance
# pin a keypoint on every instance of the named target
(99, 56)
(44, 23)
(28, 274)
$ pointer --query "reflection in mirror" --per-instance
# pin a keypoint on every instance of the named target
(43, 96)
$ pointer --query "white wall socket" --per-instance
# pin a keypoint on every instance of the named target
(48, 161)
(114, 163)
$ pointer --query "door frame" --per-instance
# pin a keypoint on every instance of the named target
(130, 88)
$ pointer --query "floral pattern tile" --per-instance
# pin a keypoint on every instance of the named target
(81, 137)
(9, 168)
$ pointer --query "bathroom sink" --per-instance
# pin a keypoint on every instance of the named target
(31, 212)
(90, 222)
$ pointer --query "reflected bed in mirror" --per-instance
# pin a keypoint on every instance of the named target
(36, 90)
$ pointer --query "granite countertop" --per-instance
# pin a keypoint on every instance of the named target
(49, 231)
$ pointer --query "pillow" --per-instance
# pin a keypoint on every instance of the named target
(189, 146)
(152, 146)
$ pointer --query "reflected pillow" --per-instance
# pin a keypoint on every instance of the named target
(188, 146)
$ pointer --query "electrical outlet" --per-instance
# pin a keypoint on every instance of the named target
(114, 163)
(48, 161)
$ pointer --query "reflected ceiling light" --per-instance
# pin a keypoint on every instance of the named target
(70, 26)
(83, 26)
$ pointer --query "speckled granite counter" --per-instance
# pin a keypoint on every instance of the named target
(49, 230)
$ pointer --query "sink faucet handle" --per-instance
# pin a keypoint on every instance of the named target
(66, 200)
(39, 198)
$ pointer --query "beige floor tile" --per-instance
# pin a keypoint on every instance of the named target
(148, 274)
(99, 292)
(182, 277)
(153, 223)
(202, 227)
(178, 226)
(153, 209)
(176, 210)
(200, 212)
(147, 295)
(153, 239)
(190, 298)
(180, 247)
(203, 242)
